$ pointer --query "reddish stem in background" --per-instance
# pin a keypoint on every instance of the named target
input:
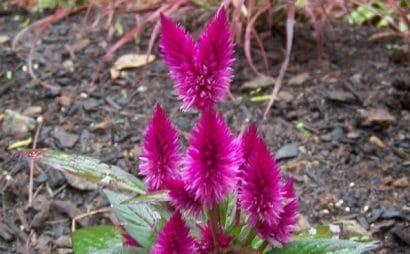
(290, 25)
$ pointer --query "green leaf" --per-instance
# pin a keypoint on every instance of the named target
(141, 220)
(324, 246)
(91, 239)
(88, 168)
(228, 211)
(123, 250)
(319, 232)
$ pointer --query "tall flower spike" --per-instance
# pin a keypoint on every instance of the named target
(213, 159)
(248, 143)
(181, 198)
(281, 232)
(261, 196)
(201, 71)
(174, 238)
(205, 244)
(287, 223)
(161, 157)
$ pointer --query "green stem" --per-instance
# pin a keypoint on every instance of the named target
(214, 219)
(249, 238)
(263, 246)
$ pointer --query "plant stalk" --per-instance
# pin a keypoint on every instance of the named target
(251, 235)
(263, 246)
(214, 219)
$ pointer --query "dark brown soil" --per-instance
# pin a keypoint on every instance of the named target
(349, 167)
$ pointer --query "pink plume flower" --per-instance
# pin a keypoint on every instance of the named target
(261, 196)
(248, 142)
(181, 198)
(174, 238)
(205, 244)
(161, 157)
(281, 232)
(213, 159)
(201, 70)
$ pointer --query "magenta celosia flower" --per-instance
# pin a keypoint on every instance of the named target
(261, 196)
(181, 198)
(213, 159)
(281, 232)
(201, 70)
(174, 238)
(287, 224)
(160, 157)
(248, 144)
(205, 244)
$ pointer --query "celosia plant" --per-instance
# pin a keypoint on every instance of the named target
(215, 162)
(226, 194)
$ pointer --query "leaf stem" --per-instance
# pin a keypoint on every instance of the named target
(249, 237)
(263, 246)
(214, 220)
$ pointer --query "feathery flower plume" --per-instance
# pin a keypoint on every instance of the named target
(161, 157)
(205, 244)
(281, 232)
(201, 70)
(261, 196)
(174, 238)
(213, 159)
(181, 198)
(248, 144)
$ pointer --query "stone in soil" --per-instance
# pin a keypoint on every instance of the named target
(379, 116)
(258, 82)
(64, 139)
(15, 123)
(340, 96)
(90, 104)
(287, 151)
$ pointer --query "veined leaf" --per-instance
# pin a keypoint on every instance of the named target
(320, 232)
(324, 246)
(141, 220)
(91, 239)
(123, 250)
(88, 168)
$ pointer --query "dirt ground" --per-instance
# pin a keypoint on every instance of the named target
(351, 160)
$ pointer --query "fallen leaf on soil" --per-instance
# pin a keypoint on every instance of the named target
(33, 110)
(299, 79)
(402, 182)
(64, 100)
(70, 209)
(20, 144)
(130, 61)
(376, 117)
(377, 142)
(353, 229)
(63, 241)
(258, 82)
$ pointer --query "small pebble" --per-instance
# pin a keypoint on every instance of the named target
(402, 182)
(347, 209)
(352, 184)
